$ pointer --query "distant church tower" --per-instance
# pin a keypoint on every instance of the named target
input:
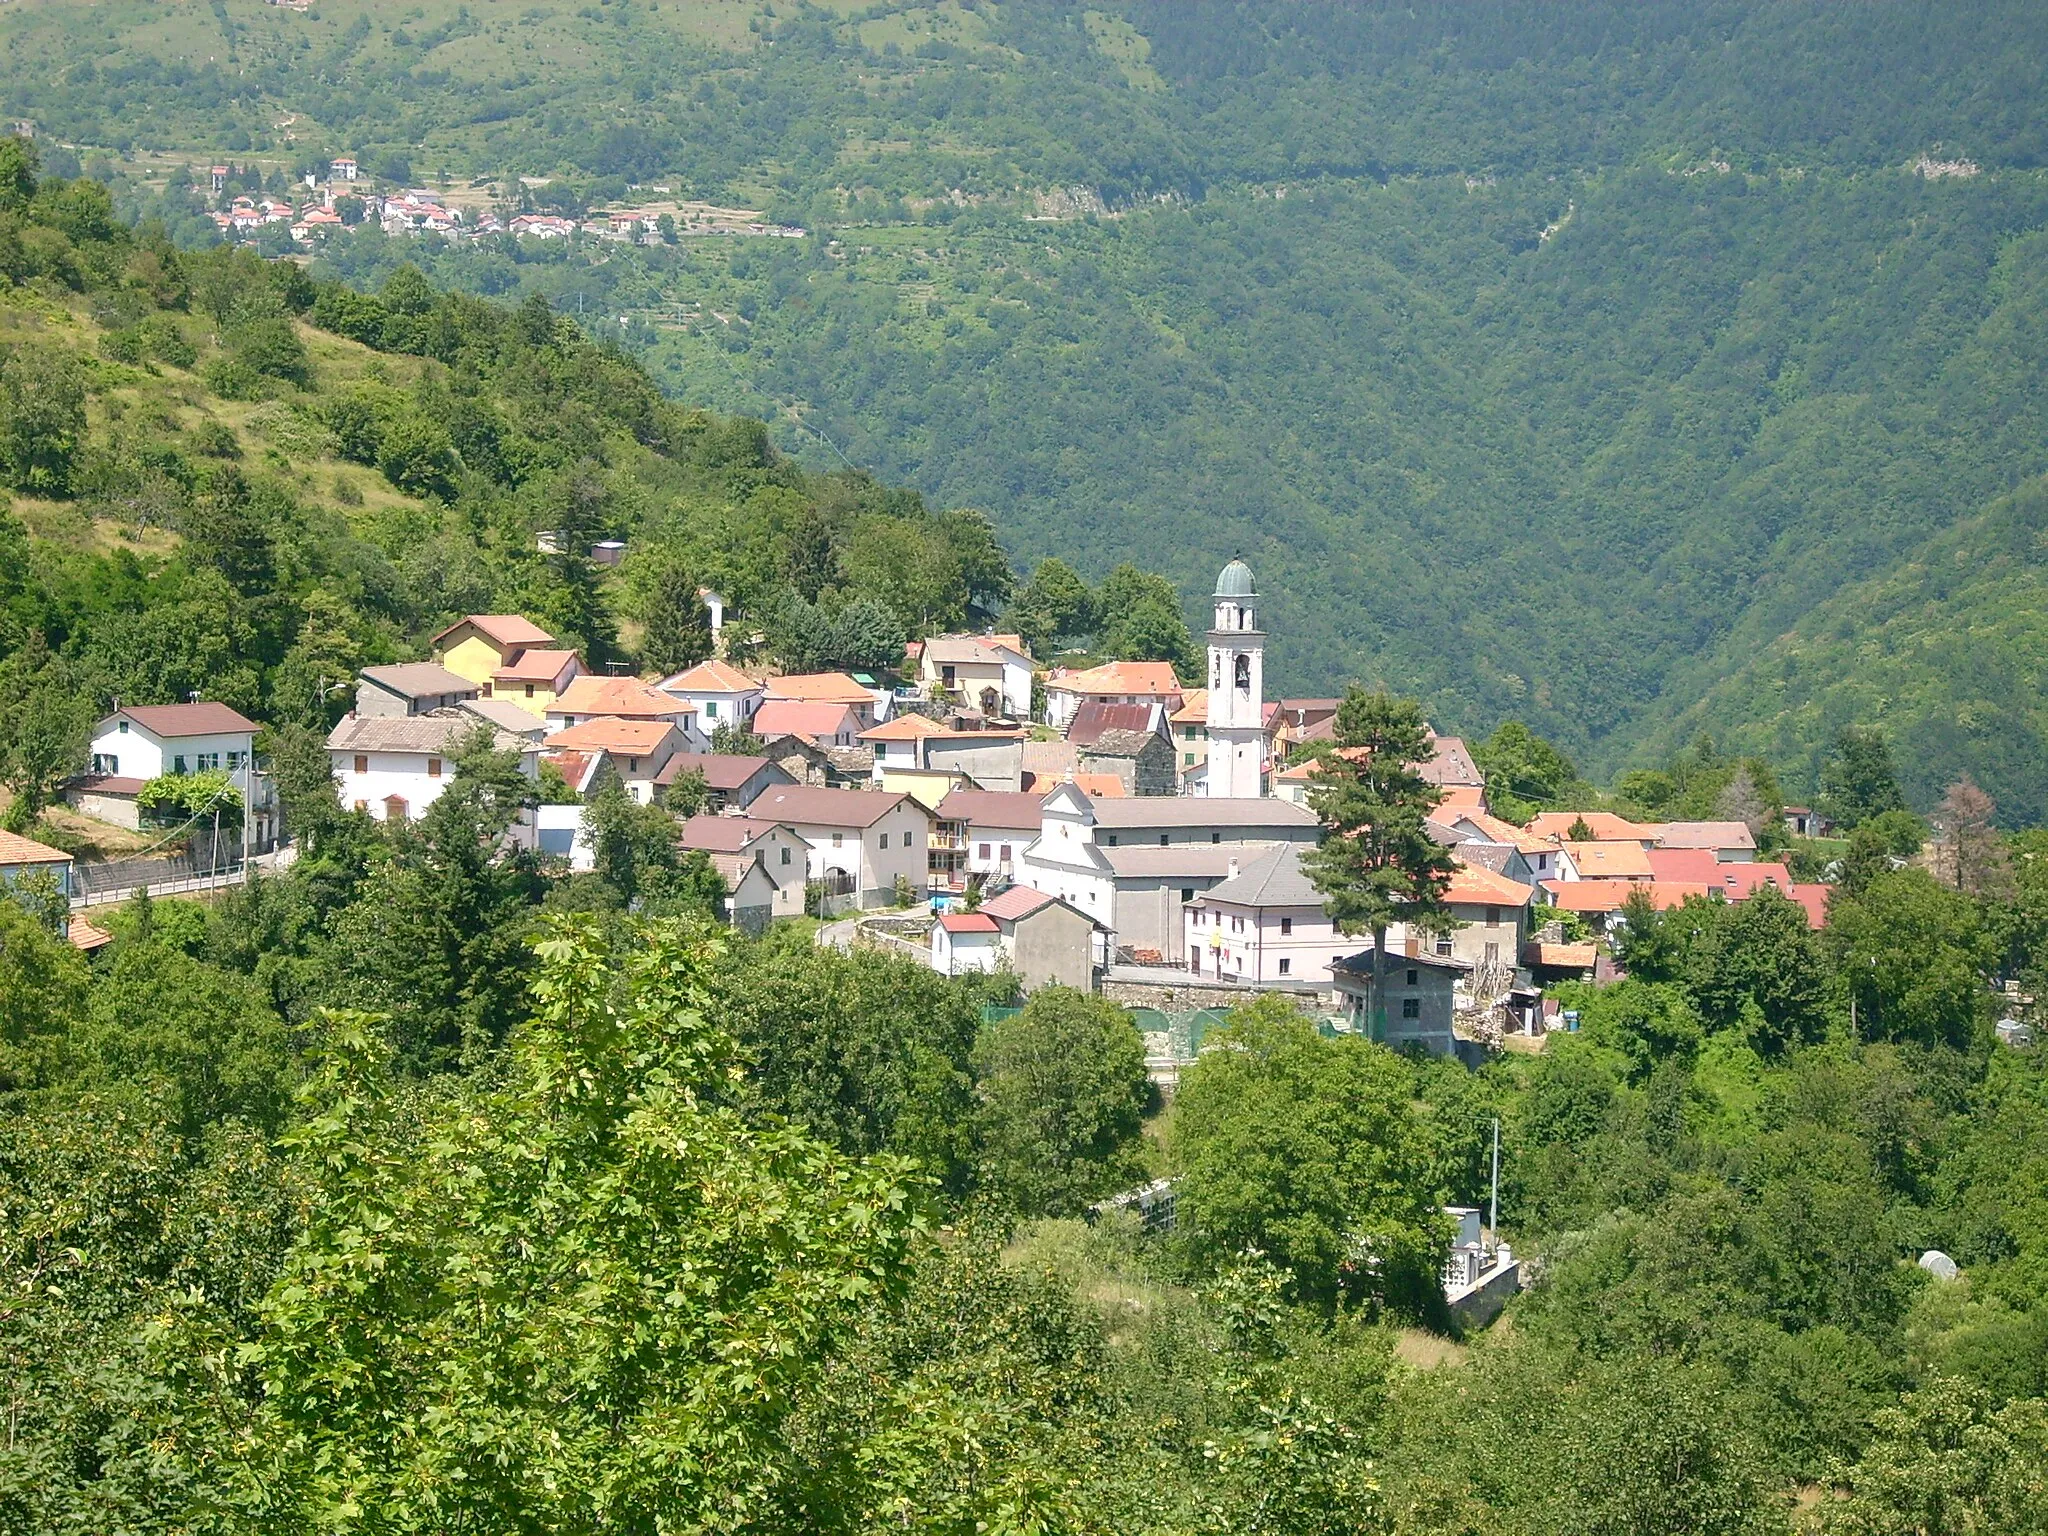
(1237, 689)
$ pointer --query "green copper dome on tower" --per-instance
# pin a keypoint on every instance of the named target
(1235, 580)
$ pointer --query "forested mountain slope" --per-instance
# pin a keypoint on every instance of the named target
(1546, 360)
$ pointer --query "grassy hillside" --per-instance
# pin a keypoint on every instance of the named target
(1547, 360)
(224, 478)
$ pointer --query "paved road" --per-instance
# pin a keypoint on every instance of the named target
(837, 935)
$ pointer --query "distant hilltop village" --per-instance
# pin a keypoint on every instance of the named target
(348, 197)
(1107, 827)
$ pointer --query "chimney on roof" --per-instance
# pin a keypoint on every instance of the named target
(1232, 867)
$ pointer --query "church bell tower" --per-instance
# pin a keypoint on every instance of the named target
(1237, 689)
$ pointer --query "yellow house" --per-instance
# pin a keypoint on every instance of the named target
(535, 679)
(484, 644)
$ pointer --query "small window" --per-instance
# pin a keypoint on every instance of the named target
(838, 839)
(885, 839)
(123, 727)
(785, 855)
(1286, 927)
(1493, 914)
(1414, 978)
(1286, 967)
(1443, 944)
(178, 764)
(1187, 759)
(1112, 839)
(711, 709)
(362, 763)
(1187, 893)
(1411, 1007)
(529, 690)
(433, 767)
(1215, 837)
(984, 850)
(1162, 839)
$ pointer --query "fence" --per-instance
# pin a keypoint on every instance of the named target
(94, 885)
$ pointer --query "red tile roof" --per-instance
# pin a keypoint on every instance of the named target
(508, 629)
(967, 922)
(1604, 825)
(1598, 896)
(1153, 678)
(1018, 901)
(1611, 861)
(1476, 885)
(812, 721)
(625, 698)
(1095, 719)
(87, 936)
(629, 738)
(724, 834)
(710, 677)
(534, 664)
(820, 688)
(16, 849)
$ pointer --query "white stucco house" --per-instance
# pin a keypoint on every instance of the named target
(1264, 926)
(140, 742)
(861, 841)
(722, 694)
(394, 767)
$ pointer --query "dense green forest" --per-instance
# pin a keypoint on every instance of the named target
(423, 1187)
(1549, 361)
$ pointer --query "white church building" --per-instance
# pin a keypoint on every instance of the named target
(1238, 765)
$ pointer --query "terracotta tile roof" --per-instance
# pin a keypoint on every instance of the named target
(1194, 708)
(820, 688)
(508, 629)
(1154, 678)
(971, 649)
(1563, 956)
(1017, 902)
(535, 664)
(505, 715)
(1611, 861)
(1600, 896)
(1815, 899)
(201, 719)
(608, 733)
(1052, 758)
(967, 922)
(16, 849)
(86, 936)
(799, 803)
(710, 677)
(1475, 885)
(1101, 786)
(624, 698)
(1493, 828)
(796, 717)
(1605, 826)
(908, 728)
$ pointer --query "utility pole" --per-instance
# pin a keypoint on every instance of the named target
(1493, 1205)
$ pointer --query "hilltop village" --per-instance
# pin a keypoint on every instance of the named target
(1109, 827)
